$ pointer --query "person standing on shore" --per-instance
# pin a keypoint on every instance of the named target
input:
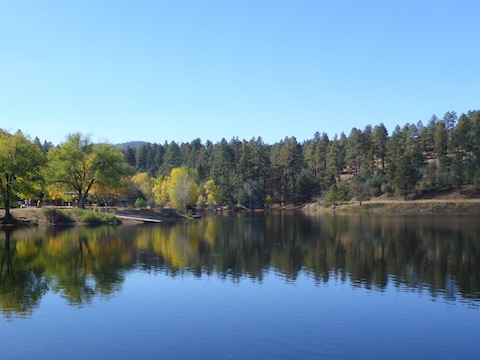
(54, 217)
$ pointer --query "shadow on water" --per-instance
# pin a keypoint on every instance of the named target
(439, 255)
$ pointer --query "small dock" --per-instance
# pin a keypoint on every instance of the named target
(138, 218)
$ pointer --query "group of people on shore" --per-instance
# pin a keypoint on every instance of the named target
(29, 203)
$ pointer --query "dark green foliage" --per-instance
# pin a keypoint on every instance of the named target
(140, 202)
(222, 171)
(379, 143)
(361, 186)
(354, 153)
(458, 172)
(338, 193)
(130, 157)
(406, 176)
(315, 157)
(375, 184)
(307, 187)
(92, 217)
(171, 158)
(476, 182)
(442, 155)
(429, 178)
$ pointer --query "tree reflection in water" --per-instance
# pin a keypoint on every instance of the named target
(436, 254)
(22, 280)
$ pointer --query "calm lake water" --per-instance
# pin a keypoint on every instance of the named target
(278, 286)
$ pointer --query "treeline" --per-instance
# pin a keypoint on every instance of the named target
(416, 158)
(413, 160)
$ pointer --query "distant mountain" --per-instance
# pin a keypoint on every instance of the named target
(132, 144)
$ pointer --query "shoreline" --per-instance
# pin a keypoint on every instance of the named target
(37, 216)
(67, 217)
(406, 206)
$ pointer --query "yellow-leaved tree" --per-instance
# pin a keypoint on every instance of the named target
(178, 189)
(160, 190)
(145, 184)
(211, 192)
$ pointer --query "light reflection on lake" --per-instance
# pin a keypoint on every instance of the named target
(276, 286)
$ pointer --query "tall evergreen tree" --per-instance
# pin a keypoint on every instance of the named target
(406, 176)
(141, 159)
(379, 139)
(222, 171)
(130, 157)
(171, 158)
(354, 154)
(335, 159)
(159, 153)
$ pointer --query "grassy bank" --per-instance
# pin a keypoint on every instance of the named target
(89, 217)
(64, 217)
(409, 206)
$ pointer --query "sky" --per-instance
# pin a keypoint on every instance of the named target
(156, 71)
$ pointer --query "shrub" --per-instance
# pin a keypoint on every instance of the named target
(331, 196)
(268, 201)
(62, 217)
(140, 203)
(91, 217)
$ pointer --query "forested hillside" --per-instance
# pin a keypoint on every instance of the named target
(411, 160)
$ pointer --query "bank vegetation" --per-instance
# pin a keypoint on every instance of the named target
(412, 162)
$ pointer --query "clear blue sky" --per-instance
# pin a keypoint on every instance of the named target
(212, 69)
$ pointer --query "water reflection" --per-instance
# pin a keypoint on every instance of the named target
(436, 254)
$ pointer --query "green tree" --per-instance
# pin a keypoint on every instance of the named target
(440, 140)
(222, 171)
(78, 163)
(380, 138)
(368, 149)
(202, 161)
(130, 156)
(140, 159)
(315, 155)
(192, 157)
(360, 186)
(159, 153)
(462, 142)
(394, 152)
(336, 158)
(252, 169)
(286, 159)
(458, 172)
(20, 163)
(354, 151)
(171, 158)
(475, 131)
(410, 145)
(406, 176)
(338, 193)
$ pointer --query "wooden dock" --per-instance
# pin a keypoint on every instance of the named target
(138, 218)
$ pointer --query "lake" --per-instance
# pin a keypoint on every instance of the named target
(245, 286)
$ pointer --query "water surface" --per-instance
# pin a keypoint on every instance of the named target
(279, 286)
